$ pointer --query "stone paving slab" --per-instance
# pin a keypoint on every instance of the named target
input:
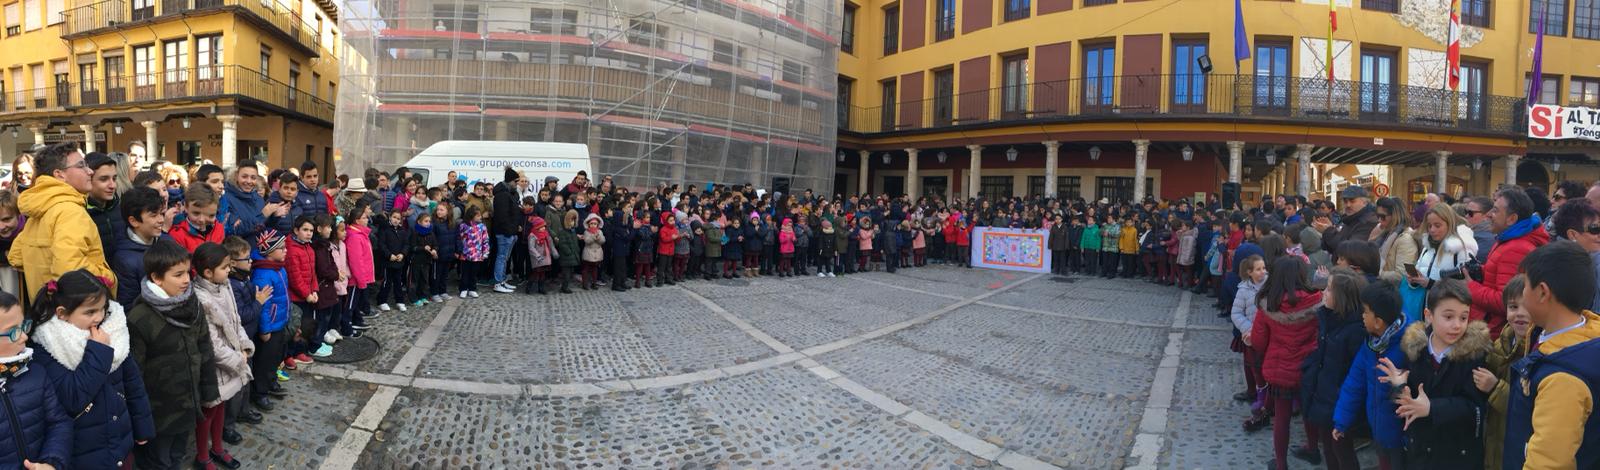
(1095, 298)
(302, 429)
(395, 332)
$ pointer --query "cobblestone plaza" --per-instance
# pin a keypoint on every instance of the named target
(927, 368)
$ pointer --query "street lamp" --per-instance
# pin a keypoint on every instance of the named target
(841, 152)
(1477, 164)
(1555, 166)
(942, 156)
(117, 128)
(186, 123)
(1011, 154)
(886, 158)
(1272, 157)
(1094, 152)
(1188, 153)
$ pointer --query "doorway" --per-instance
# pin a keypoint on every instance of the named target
(935, 186)
(894, 185)
(1532, 174)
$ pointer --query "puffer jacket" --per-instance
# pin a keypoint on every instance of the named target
(1110, 236)
(619, 237)
(29, 402)
(1510, 247)
(567, 246)
(97, 386)
(594, 243)
(190, 238)
(359, 255)
(1338, 340)
(301, 264)
(1399, 248)
(1128, 243)
(1507, 350)
(733, 248)
(1243, 311)
(827, 244)
(681, 246)
(108, 219)
(173, 348)
(275, 311)
(1090, 238)
(244, 301)
(57, 238)
(447, 239)
(341, 261)
(1440, 260)
(243, 217)
(1286, 332)
(392, 240)
(1451, 436)
(229, 342)
(786, 242)
(128, 262)
(666, 239)
(474, 241)
(1365, 398)
(713, 240)
(1186, 247)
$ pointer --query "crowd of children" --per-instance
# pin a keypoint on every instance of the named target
(215, 299)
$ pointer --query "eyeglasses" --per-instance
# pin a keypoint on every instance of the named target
(15, 334)
(81, 165)
(1592, 229)
(1383, 215)
(242, 260)
(1471, 212)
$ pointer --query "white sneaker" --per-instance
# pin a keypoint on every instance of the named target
(473, 293)
(383, 307)
(502, 288)
(331, 337)
(463, 294)
(831, 275)
(402, 306)
(822, 274)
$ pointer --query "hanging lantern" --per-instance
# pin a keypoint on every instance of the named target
(1477, 164)
(1011, 154)
(1555, 166)
(841, 156)
(1094, 153)
(117, 128)
(1272, 157)
(1188, 153)
(942, 156)
(186, 123)
(886, 158)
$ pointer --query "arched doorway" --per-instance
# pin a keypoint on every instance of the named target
(1532, 174)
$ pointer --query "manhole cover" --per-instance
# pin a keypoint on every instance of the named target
(351, 350)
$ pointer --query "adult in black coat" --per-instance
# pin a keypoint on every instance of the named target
(619, 240)
(1359, 220)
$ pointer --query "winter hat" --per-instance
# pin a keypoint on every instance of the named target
(551, 179)
(510, 175)
(594, 218)
(269, 240)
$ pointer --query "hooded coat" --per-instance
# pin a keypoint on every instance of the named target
(712, 239)
(1338, 341)
(29, 402)
(1441, 260)
(275, 311)
(1365, 398)
(359, 255)
(1451, 436)
(1286, 331)
(243, 217)
(172, 343)
(229, 342)
(594, 249)
(1510, 247)
(97, 387)
(567, 246)
(55, 240)
(541, 244)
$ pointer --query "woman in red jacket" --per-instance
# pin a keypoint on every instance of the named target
(1286, 330)
(301, 264)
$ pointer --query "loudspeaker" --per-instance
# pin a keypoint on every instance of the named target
(781, 184)
(1230, 195)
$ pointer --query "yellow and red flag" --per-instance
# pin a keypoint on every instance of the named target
(1453, 49)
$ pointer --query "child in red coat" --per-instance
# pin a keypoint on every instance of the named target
(666, 240)
(1286, 330)
(301, 265)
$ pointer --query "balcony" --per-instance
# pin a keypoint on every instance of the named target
(1214, 96)
(173, 86)
(108, 15)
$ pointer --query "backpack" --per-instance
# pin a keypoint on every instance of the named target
(1214, 257)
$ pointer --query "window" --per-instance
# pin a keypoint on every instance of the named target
(645, 33)
(795, 9)
(994, 188)
(1476, 12)
(88, 90)
(1099, 70)
(294, 82)
(32, 16)
(1014, 83)
(115, 85)
(53, 11)
(17, 87)
(1066, 186)
(1586, 20)
(144, 79)
(316, 84)
(847, 34)
(886, 105)
(891, 30)
(1474, 90)
(1378, 77)
(1118, 189)
(266, 63)
(175, 56)
(1549, 92)
(795, 72)
(1090, 3)
(449, 19)
(722, 52)
(1554, 13)
(63, 80)
(13, 20)
(1188, 82)
(144, 9)
(944, 96)
(1272, 77)
(944, 19)
(843, 97)
(1584, 92)
(1018, 9)
(552, 21)
(40, 97)
(1391, 6)
(208, 56)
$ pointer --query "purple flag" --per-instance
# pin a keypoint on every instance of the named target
(1241, 43)
(1536, 86)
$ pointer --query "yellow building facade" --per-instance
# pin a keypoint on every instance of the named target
(1122, 99)
(176, 80)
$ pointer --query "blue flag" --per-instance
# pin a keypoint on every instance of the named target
(1241, 42)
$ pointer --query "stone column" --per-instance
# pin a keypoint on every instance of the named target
(861, 176)
(502, 130)
(230, 140)
(1303, 152)
(974, 174)
(38, 134)
(88, 138)
(1052, 157)
(1141, 157)
(1441, 178)
(152, 149)
(1511, 169)
(1235, 159)
(911, 174)
(680, 158)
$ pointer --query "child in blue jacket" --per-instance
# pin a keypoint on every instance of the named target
(42, 427)
(267, 275)
(1365, 397)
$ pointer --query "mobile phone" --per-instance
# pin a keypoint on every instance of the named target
(1411, 269)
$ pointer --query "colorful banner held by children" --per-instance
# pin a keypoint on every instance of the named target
(1011, 249)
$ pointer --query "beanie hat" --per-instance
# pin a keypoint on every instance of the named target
(269, 240)
(511, 175)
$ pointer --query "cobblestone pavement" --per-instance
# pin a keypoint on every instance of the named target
(931, 367)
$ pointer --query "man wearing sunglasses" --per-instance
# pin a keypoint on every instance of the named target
(1518, 230)
(1476, 213)
(57, 238)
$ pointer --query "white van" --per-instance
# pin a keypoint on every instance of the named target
(478, 160)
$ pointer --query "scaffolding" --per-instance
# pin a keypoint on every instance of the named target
(683, 92)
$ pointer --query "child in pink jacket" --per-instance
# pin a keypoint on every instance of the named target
(786, 248)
